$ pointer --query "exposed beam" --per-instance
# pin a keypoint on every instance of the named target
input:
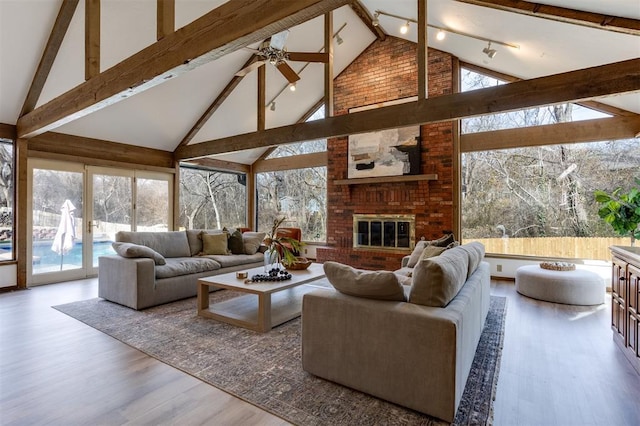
(328, 66)
(67, 9)
(601, 129)
(228, 89)
(619, 77)
(594, 105)
(316, 159)
(561, 14)
(214, 163)
(166, 18)
(422, 53)
(232, 26)
(262, 96)
(91, 38)
(8, 131)
(364, 16)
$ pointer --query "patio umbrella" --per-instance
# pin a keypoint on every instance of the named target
(66, 233)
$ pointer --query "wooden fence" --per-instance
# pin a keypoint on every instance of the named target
(564, 247)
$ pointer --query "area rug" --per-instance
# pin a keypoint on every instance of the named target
(266, 369)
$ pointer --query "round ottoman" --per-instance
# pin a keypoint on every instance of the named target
(578, 287)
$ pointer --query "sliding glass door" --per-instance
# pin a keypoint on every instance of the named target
(69, 234)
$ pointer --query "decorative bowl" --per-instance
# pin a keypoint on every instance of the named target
(298, 265)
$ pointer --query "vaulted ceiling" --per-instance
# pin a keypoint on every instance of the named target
(554, 37)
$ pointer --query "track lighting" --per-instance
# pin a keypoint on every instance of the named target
(292, 87)
(273, 106)
(489, 51)
(440, 35)
(339, 39)
(376, 21)
(405, 28)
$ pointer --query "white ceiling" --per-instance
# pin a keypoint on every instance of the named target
(161, 116)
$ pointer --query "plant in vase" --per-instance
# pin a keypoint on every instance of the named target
(280, 249)
(621, 210)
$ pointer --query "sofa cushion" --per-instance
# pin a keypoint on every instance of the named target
(381, 285)
(437, 280)
(215, 243)
(168, 244)
(475, 250)
(195, 239)
(237, 259)
(235, 242)
(185, 266)
(252, 241)
(135, 250)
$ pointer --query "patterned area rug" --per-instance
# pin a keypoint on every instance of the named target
(266, 369)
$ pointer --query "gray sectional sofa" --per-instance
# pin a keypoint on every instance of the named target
(153, 268)
(413, 347)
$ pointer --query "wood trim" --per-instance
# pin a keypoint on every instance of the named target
(562, 14)
(91, 38)
(422, 52)
(67, 9)
(228, 89)
(20, 220)
(8, 131)
(457, 158)
(619, 77)
(106, 152)
(252, 195)
(166, 18)
(367, 19)
(316, 159)
(594, 105)
(230, 27)
(385, 179)
(214, 163)
(601, 129)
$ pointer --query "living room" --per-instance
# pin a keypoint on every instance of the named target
(435, 203)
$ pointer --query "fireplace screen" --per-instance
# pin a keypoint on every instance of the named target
(384, 232)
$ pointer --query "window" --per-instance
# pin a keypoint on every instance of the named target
(539, 201)
(6, 200)
(211, 199)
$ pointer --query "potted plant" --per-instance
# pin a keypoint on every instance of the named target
(621, 210)
(280, 248)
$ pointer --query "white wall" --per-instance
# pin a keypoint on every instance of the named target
(8, 275)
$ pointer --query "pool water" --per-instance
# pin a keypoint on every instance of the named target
(45, 259)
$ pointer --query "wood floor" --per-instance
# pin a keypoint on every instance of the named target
(559, 367)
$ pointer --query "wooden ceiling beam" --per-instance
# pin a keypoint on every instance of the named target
(67, 9)
(230, 27)
(601, 129)
(8, 131)
(562, 14)
(619, 77)
(91, 38)
(362, 13)
(166, 18)
(222, 165)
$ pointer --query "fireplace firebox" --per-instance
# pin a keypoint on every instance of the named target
(388, 232)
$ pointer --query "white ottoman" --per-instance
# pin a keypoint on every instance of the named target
(578, 287)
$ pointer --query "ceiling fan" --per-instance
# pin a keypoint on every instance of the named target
(273, 51)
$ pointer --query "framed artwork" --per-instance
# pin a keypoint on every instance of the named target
(392, 152)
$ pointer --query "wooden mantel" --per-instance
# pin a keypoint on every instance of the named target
(385, 179)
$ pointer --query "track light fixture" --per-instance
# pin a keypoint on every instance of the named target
(442, 32)
(489, 51)
(273, 106)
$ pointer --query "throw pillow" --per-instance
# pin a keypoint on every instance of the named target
(381, 285)
(437, 280)
(135, 250)
(416, 253)
(432, 251)
(236, 244)
(443, 241)
(252, 241)
(214, 244)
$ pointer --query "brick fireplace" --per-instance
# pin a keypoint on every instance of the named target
(387, 71)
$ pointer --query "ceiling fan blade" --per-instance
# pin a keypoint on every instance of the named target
(251, 67)
(279, 40)
(308, 57)
(288, 72)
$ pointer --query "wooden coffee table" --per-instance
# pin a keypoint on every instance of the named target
(266, 305)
